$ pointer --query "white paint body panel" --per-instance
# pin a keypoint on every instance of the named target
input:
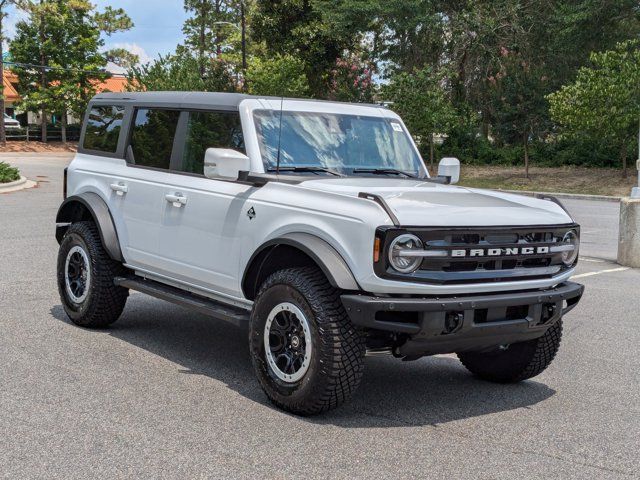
(206, 243)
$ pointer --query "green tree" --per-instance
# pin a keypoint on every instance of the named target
(426, 108)
(81, 63)
(278, 76)
(32, 46)
(604, 100)
(299, 28)
(519, 110)
(547, 41)
(204, 31)
(402, 35)
(182, 72)
(65, 78)
(122, 57)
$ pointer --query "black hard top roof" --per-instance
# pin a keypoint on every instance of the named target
(226, 101)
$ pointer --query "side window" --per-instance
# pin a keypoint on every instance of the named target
(103, 128)
(152, 137)
(210, 130)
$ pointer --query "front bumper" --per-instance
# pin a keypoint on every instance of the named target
(454, 324)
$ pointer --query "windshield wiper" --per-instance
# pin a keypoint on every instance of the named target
(306, 169)
(383, 171)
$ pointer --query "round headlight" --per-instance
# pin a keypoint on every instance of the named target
(400, 253)
(569, 256)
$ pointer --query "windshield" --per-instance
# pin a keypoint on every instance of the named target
(348, 144)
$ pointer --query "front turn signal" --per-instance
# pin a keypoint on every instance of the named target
(376, 250)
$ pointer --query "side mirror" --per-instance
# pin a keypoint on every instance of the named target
(225, 163)
(449, 167)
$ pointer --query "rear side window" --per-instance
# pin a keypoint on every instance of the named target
(103, 128)
(210, 130)
(152, 137)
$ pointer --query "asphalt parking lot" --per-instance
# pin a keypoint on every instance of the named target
(166, 393)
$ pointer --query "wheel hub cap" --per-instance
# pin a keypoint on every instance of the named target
(77, 274)
(287, 342)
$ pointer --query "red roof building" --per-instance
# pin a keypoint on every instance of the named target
(11, 94)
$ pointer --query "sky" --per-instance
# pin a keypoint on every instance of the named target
(157, 30)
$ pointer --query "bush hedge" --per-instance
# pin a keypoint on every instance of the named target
(8, 173)
(583, 152)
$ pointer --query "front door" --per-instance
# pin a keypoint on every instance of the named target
(200, 243)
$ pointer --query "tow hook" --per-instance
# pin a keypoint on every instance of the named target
(452, 322)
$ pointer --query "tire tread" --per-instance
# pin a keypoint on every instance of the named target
(107, 301)
(344, 345)
(530, 360)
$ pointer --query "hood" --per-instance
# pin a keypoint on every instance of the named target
(420, 203)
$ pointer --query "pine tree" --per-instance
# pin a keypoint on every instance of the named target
(204, 31)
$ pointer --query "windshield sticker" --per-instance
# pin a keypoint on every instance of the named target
(396, 126)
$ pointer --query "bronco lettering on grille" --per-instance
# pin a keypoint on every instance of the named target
(498, 252)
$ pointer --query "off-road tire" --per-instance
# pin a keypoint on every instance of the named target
(104, 301)
(338, 348)
(518, 362)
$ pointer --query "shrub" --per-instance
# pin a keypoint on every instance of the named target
(8, 173)
(282, 75)
(584, 152)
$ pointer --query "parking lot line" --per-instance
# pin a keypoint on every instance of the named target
(610, 270)
(592, 260)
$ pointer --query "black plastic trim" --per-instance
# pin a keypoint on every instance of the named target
(362, 309)
(234, 315)
(387, 233)
(544, 196)
(384, 205)
(101, 215)
(324, 255)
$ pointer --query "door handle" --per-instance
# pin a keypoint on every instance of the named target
(119, 188)
(176, 199)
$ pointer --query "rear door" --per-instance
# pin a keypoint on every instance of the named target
(100, 167)
(138, 193)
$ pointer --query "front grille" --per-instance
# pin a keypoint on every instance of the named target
(488, 254)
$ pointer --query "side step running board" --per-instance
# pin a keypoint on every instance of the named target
(221, 311)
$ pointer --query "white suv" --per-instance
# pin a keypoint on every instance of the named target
(315, 225)
(11, 123)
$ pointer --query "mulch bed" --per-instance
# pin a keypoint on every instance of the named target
(36, 147)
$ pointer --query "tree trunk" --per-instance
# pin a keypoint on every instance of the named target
(218, 44)
(484, 127)
(431, 153)
(525, 143)
(201, 46)
(623, 157)
(3, 135)
(63, 127)
(43, 76)
(43, 126)
(243, 23)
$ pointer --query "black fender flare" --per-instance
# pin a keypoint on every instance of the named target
(75, 209)
(324, 255)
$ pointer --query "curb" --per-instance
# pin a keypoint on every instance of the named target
(571, 196)
(21, 184)
(36, 154)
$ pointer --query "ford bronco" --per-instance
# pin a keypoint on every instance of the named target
(317, 227)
